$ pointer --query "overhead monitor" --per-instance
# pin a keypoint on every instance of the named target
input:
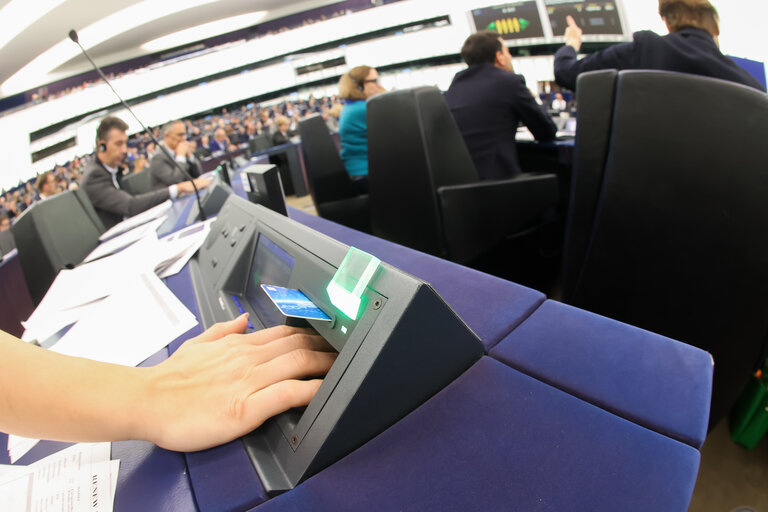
(538, 22)
(599, 18)
(514, 21)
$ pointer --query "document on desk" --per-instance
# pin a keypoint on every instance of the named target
(78, 478)
(137, 220)
(178, 248)
(123, 240)
(130, 325)
(74, 293)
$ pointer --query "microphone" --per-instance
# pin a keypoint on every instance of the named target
(73, 36)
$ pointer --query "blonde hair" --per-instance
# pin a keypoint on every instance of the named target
(351, 83)
(690, 13)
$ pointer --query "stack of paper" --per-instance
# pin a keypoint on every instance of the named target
(78, 478)
(137, 220)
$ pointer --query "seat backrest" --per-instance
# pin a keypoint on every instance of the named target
(52, 235)
(259, 142)
(678, 241)
(327, 178)
(595, 91)
(87, 205)
(137, 183)
(414, 147)
(7, 244)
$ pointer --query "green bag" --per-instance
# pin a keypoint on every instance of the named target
(749, 417)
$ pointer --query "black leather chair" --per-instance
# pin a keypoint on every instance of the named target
(425, 192)
(669, 214)
(52, 235)
(332, 191)
(137, 183)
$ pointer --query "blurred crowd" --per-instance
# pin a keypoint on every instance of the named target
(208, 135)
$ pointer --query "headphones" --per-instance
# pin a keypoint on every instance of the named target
(102, 147)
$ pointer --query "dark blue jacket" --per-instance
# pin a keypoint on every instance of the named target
(487, 103)
(691, 50)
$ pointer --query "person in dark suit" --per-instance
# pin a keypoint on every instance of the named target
(162, 170)
(101, 180)
(283, 134)
(487, 100)
(690, 47)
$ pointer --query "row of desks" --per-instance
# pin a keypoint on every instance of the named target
(566, 411)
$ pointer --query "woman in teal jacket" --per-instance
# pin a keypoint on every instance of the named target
(355, 87)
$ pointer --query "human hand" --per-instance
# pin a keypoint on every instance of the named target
(572, 34)
(185, 187)
(223, 384)
(182, 148)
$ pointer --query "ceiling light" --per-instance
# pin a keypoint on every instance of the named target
(204, 31)
(17, 16)
(125, 20)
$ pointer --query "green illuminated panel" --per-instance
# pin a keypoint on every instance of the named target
(348, 284)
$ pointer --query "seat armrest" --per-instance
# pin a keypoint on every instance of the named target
(478, 216)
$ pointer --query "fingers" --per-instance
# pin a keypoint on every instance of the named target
(278, 398)
(297, 341)
(296, 364)
(221, 329)
(571, 22)
(271, 334)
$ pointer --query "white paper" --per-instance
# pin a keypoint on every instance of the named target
(19, 446)
(6, 471)
(137, 220)
(130, 325)
(179, 247)
(122, 241)
(78, 478)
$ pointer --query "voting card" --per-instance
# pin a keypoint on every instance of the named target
(294, 303)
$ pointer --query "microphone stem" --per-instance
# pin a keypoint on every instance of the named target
(203, 217)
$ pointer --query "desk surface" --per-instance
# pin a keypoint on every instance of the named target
(526, 428)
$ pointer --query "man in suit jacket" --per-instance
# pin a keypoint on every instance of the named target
(101, 180)
(162, 169)
(690, 47)
(487, 100)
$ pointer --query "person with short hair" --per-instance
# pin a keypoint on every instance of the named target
(690, 47)
(164, 171)
(5, 221)
(488, 100)
(101, 180)
(46, 185)
(355, 88)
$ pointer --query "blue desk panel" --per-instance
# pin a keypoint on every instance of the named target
(646, 378)
(525, 446)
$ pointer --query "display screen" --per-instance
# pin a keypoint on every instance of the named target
(594, 18)
(271, 265)
(513, 20)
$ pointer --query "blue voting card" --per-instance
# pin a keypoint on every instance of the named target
(293, 303)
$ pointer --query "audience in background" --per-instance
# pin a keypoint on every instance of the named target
(246, 121)
(559, 104)
(283, 133)
(488, 100)
(355, 87)
(163, 170)
(5, 222)
(46, 186)
(690, 47)
(104, 172)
